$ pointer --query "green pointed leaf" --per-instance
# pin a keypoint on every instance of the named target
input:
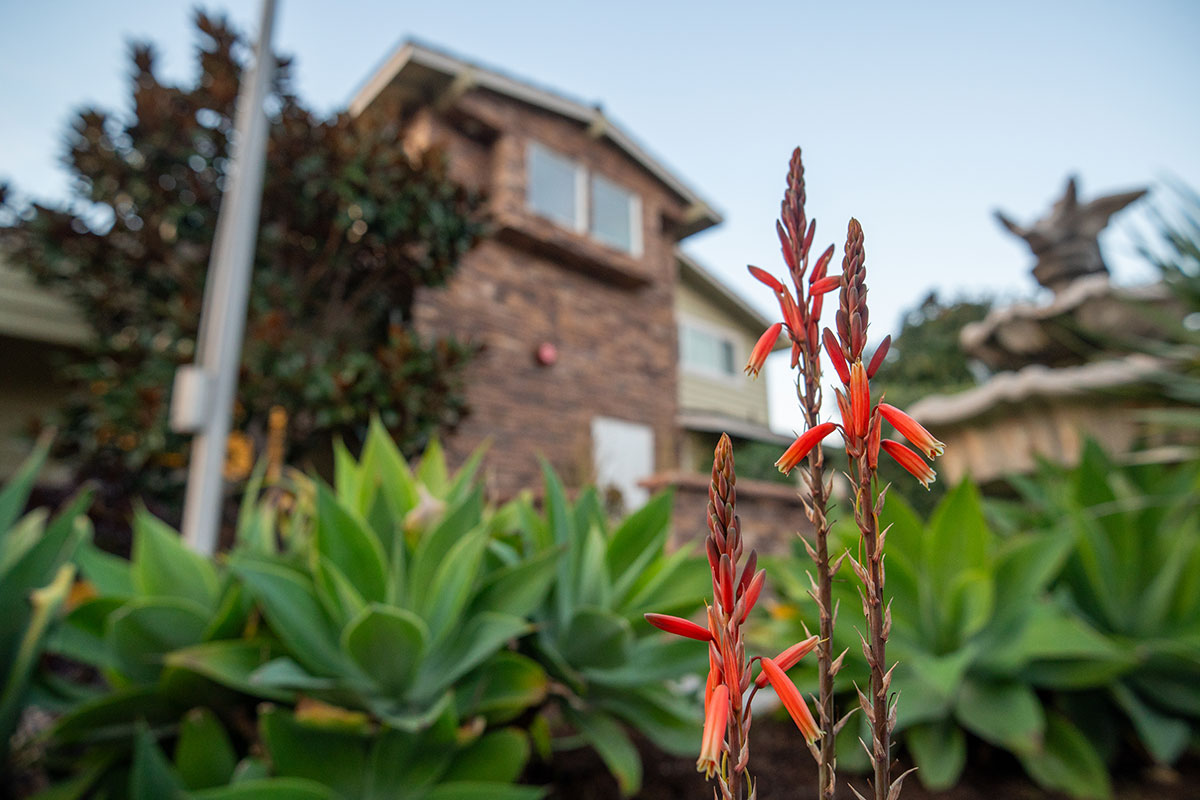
(502, 688)
(1067, 762)
(289, 603)
(1005, 713)
(497, 757)
(432, 471)
(388, 645)
(452, 583)
(314, 752)
(596, 638)
(143, 631)
(347, 541)
(1165, 737)
(16, 491)
(204, 755)
(673, 722)
(151, 777)
(958, 537)
(452, 658)
(638, 540)
(518, 588)
(940, 752)
(112, 716)
(385, 470)
(613, 745)
(232, 663)
(434, 545)
(163, 566)
(111, 575)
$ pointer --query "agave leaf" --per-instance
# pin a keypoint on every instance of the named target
(940, 752)
(204, 755)
(164, 567)
(610, 741)
(348, 541)
(388, 645)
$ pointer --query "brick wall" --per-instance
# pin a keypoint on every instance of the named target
(771, 513)
(608, 314)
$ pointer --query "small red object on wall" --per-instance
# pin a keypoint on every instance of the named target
(547, 354)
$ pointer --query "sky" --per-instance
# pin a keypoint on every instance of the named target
(918, 118)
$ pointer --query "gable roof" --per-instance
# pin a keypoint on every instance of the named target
(414, 64)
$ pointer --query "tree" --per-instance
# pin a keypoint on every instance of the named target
(926, 357)
(351, 227)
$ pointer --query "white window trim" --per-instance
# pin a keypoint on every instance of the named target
(583, 205)
(718, 331)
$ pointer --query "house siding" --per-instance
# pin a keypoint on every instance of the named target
(737, 396)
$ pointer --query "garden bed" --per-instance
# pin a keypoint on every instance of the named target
(785, 770)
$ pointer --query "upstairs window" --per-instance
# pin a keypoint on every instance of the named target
(706, 351)
(616, 215)
(564, 191)
(555, 185)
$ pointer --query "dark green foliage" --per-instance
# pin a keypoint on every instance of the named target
(610, 664)
(1072, 630)
(35, 578)
(350, 229)
(926, 357)
(355, 643)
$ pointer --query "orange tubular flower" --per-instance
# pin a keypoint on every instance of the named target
(679, 627)
(790, 696)
(873, 438)
(911, 462)
(827, 284)
(912, 430)
(803, 444)
(766, 343)
(716, 715)
(788, 658)
(860, 398)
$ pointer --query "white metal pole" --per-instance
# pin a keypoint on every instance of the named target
(202, 401)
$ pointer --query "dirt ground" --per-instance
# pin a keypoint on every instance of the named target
(784, 769)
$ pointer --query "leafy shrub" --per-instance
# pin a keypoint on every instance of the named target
(35, 578)
(1133, 575)
(591, 636)
(976, 634)
(372, 621)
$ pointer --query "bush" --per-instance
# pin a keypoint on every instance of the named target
(387, 636)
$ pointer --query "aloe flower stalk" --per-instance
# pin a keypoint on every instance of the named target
(861, 431)
(729, 690)
(801, 317)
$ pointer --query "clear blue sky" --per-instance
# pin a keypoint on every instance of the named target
(918, 118)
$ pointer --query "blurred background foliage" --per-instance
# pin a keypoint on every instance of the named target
(351, 228)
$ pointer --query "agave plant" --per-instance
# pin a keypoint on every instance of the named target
(1134, 575)
(613, 667)
(975, 633)
(35, 579)
(374, 618)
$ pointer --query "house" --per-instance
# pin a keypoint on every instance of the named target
(606, 350)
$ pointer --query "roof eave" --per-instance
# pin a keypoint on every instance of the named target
(700, 214)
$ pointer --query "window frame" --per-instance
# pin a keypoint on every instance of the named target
(718, 332)
(583, 223)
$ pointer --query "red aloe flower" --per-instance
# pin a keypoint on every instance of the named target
(789, 658)
(766, 343)
(860, 399)
(790, 696)
(803, 444)
(912, 430)
(679, 627)
(716, 716)
(910, 461)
